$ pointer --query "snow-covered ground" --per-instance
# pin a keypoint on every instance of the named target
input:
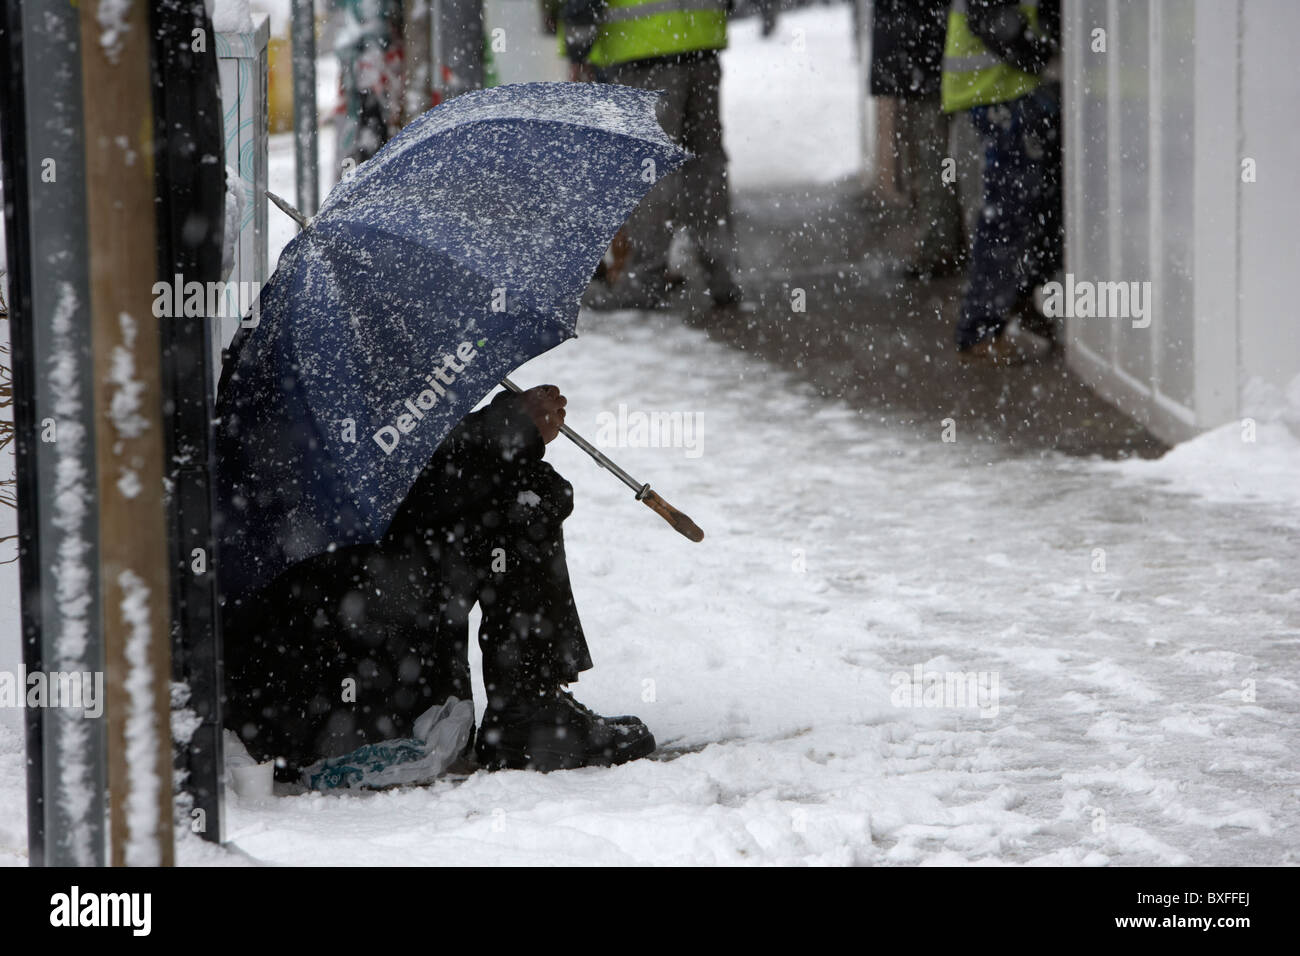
(1132, 630)
(1121, 733)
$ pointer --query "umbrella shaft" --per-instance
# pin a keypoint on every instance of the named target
(601, 459)
(590, 449)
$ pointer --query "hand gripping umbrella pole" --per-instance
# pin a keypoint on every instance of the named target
(680, 522)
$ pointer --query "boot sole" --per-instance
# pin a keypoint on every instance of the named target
(544, 760)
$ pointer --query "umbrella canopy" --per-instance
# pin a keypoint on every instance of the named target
(457, 253)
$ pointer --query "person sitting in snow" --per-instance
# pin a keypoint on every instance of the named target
(351, 647)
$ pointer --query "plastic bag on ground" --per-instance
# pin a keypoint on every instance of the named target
(441, 733)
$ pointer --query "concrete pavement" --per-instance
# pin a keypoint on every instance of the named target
(883, 342)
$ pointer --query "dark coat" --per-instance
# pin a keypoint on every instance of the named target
(393, 617)
(907, 39)
(1005, 31)
(477, 474)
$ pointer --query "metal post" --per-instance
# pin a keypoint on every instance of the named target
(305, 151)
(191, 213)
(129, 429)
(55, 440)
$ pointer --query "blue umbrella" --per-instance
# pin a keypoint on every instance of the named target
(459, 252)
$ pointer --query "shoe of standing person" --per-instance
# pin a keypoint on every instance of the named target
(925, 268)
(627, 293)
(1012, 346)
(1034, 321)
(552, 731)
(724, 309)
(728, 296)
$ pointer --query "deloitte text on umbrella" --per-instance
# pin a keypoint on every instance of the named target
(387, 436)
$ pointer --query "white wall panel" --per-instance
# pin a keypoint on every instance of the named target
(1156, 129)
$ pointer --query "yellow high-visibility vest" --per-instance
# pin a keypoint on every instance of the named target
(642, 29)
(973, 75)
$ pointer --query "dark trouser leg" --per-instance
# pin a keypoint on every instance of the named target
(1047, 253)
(455, 585)
(649, 229)
(705, 199)
(938, 208)
(531, 637)
(336, 654)
(1017, 235)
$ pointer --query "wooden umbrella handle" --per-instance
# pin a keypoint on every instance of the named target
(679, 520)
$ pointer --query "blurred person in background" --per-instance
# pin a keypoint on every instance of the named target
(673, 46)
(998, 65)
(368, 42)
(907, 38)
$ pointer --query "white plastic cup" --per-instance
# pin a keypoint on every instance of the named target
(253, 781)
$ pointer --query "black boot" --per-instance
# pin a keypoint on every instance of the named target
(620, 719)
(552, 731)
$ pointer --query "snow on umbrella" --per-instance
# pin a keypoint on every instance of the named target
(457, 253)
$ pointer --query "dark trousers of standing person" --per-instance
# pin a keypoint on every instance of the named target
(921, 139)
(1019, 238)
(696, 195)
(352, 646)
